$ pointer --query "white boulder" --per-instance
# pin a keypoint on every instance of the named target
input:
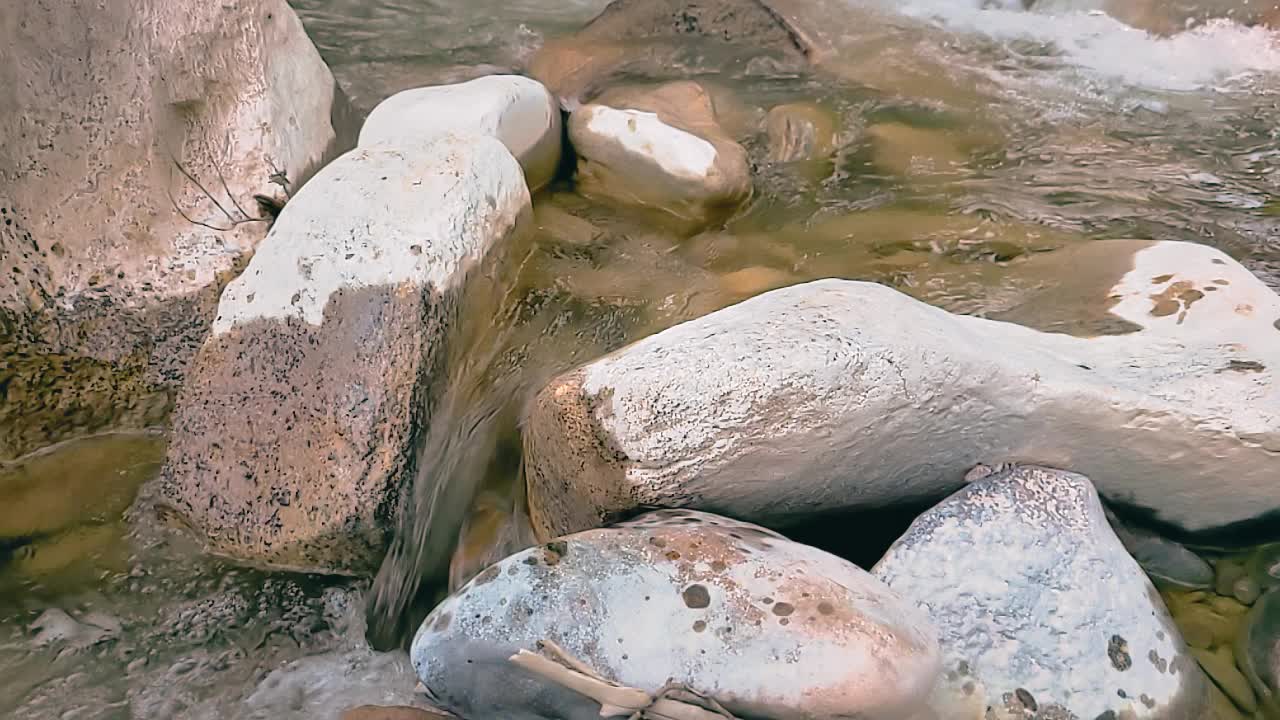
(1040, 610)
(838, 394)
(517, 110)
(767, 627)
(294, 435)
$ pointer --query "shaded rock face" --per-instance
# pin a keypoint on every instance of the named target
(660, 148)
(649, 38)
(516, 110)
(102, 267)
(294, 435)
(805, 399)
(1040, 610)
(768, 627)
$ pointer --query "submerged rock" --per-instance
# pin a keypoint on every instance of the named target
(1039, 608)
(801, 131)
(1257, 651)
(1168, 563)
(295, 434)
(121, 219)
(767, 627)
(824, 404)
(516, 110)
(662, 148)
(647, 38)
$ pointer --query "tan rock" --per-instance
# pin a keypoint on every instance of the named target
(801, 131)
(907, 151)
(389, 712)
(754, 280)
(660, 148)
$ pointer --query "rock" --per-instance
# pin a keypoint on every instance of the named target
(295, 433)
(1221, 667)
(1202, 626)
(516, 110)
(660, 147)
(754, 280)
(1039, 607)
(1246, 590)
(800, 131)
(1257, 649)
(811, 394)
(768, 627)
(1226, 573)
(1168, 563)
(185, 108)
(388, 712)
(651, 38)
(1263, 565)
(906, 151)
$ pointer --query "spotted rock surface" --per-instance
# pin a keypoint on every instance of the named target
(294, 435)
(837, 394)
(1040, 611)
(770, 628)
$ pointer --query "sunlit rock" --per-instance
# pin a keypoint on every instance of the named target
(836, 395)
(136, 139)
(1039, 609)
(660, 148)
(516, 110)
(295, 433)
(767, 627)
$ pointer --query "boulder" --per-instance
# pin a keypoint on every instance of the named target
(838, 395)
(653, 38)
(516, 110)
(136, 137)
(767, 627)
(661, 148)
(1040, 611)
(295, 433)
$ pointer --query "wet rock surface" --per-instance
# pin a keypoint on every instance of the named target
(796, 386)
(1039, 608)
(294, 435)
(662, 148)
(768, 627)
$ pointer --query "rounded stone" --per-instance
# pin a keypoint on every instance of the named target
(768, 627)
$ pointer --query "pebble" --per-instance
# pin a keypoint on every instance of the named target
(1246, 590)
(1225, 576)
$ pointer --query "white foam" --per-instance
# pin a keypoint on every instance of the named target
(1216, 53)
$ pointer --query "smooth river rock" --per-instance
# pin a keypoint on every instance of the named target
(769, 628)
(660, 147)
(1040, 610)
(294, 435)
(516, 110)
(837, 395)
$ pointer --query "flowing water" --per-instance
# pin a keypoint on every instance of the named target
(975, 137)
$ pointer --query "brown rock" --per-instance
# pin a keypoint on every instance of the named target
(648, 35)
(800, 131)
(390, 712)
(663, 148)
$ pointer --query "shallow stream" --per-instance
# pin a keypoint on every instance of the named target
(972, 139)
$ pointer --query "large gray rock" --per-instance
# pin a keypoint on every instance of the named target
(135, 138)
(1040, 610)
(838, 394)
(296, 432)
(768, 627)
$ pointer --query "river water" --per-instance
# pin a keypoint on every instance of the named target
(973, 135)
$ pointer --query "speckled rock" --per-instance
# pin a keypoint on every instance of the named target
(770, 628)
(660, 147)
(1038, 606)
(516, 110)
(294, 435)
(114, 256)
(806, 398)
